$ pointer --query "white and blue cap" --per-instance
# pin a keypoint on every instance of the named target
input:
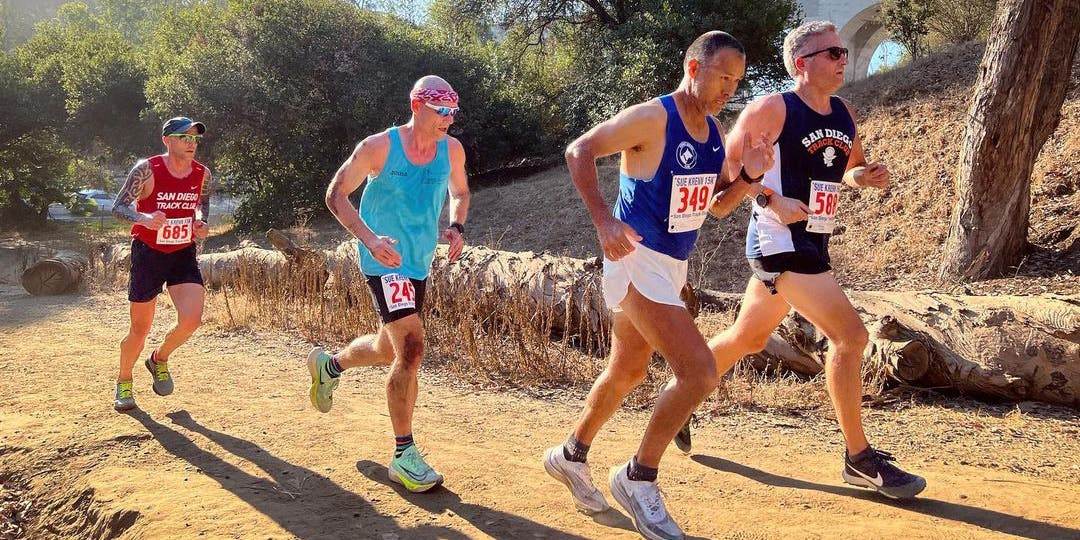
(181, 124)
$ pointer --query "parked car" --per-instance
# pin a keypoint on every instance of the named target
(102, 199)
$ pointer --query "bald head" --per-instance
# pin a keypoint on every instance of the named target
(432, 82)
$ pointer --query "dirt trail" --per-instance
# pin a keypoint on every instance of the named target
(238, 452)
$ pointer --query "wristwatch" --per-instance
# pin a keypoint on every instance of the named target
(762, 199)
(460, 228)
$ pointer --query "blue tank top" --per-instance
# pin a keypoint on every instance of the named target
(811, 146)
(404, 202)
(668, 209)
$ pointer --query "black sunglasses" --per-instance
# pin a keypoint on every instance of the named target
(835, 53)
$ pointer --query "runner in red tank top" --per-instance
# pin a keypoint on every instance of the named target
(166, 198)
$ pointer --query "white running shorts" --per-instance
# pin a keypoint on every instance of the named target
(656, 276)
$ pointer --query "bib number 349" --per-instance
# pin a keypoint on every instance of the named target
(175, 231)
(691, 195)
(824, 198)
(398, 292)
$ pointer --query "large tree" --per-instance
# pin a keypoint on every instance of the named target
(1022, 83)
(33, 161)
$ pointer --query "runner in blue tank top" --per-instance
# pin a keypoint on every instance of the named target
(408, 171)
(795, 209)
(674, 170)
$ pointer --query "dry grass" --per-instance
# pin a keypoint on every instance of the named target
(496, 340)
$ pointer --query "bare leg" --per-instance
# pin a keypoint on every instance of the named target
(188, 300)
(142, 318)
(760, 314)
(370, 350)
(671, 331)
(407, 337)
(821, 300)
(630, 356)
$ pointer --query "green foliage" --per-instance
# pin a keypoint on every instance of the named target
(288, 87)
(908, 22)
(33, 160)
(102, 83)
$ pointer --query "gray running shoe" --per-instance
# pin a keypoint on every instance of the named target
(163, 384)
(322, 384)
(411, 471)
(124, 400)
(576, 476)
(645, 504)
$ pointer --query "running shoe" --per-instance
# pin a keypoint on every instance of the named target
(577, 477)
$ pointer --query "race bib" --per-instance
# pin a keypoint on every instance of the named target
(398, 292)
(691, 195)
(175, 231)
(824, 197)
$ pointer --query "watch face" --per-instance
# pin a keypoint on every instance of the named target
(762, 200)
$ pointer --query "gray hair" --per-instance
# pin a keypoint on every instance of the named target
(798, 37)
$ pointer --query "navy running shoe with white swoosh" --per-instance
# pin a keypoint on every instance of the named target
(874, 469)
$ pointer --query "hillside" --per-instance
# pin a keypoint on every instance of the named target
(911, 118)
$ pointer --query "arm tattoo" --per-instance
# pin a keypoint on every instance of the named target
(204, 203)
(129, 193)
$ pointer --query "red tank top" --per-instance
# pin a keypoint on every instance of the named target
(177, 198)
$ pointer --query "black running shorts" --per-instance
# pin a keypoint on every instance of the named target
(151, 269)
(768, 268)
(396, 296)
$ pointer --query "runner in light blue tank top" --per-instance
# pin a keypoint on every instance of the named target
(410, 172)
(404, 202)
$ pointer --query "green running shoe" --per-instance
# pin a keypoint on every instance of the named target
(163, 384)
(322, 384)
(411, 471)
(124, 400)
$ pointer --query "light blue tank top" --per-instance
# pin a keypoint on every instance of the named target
(404, 202)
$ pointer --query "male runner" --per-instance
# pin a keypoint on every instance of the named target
(171, 196)
(794, 212)
(673, 161)
(409, 171)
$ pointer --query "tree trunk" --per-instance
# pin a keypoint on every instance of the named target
(59, 274)
(1017, 105)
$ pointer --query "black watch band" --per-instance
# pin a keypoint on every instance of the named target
(460, 228)
(746, 178)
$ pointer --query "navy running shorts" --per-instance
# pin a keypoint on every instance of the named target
(151, 269)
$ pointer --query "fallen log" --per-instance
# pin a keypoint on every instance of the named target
(59, 274)
(1000, 347)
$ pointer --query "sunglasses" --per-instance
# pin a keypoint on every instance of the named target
(186, 137)
(835, 53)
(441, 110)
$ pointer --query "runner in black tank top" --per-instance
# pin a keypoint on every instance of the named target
(795, 209)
